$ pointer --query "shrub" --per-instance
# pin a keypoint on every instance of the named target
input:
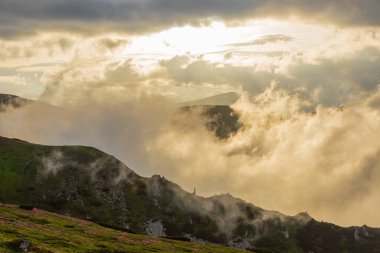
(26, 207)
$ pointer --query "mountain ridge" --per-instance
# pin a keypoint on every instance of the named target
(227, 98)
(86, 183)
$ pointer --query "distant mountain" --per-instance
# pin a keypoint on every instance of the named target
(221, 99)
(222, 120)
(35, 230)
(86, 183)
(7, 101)
(216, 110)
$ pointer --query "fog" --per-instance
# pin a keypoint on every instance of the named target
(325, 162)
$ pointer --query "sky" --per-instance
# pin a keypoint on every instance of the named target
(307, 72)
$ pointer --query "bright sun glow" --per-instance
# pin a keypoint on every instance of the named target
(223, 44)
(192, 40)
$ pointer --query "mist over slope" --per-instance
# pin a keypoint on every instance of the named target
(219, 118)
(86, 183)
(278, 149)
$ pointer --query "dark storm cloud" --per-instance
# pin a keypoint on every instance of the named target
(20, 17)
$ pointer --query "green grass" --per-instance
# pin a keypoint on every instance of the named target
(50, 232)
(81, 191)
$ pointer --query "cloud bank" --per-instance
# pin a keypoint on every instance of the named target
(284, 158)
(332, 82)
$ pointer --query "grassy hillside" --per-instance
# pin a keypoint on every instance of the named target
(88, 184)
(72, 180)
(40, 231)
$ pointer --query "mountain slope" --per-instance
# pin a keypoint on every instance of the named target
(222, 120)
(40, 231)
(86, 183)
(7, 100)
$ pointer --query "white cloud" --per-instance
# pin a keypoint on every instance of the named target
(286, 159)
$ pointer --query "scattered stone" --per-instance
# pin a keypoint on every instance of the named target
(356, 235)
(242, 243)
(155, 229)
(286, 234)
(19, 245)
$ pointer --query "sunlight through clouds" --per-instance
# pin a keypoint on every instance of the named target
(306, 74)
